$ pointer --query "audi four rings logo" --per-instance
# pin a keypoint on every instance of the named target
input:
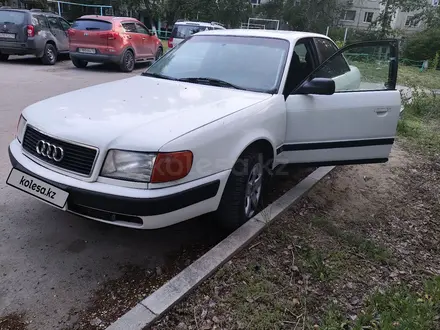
(49, 150)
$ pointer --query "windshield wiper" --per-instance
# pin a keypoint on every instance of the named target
(210, 81)
(157, 75)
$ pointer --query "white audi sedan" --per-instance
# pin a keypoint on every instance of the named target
(203, 128)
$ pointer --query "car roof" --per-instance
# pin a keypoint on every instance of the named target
(197, 23)
(39, 12)
(108, 18)
(291, 36)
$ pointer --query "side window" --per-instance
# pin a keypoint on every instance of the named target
(338, 65)
(54, 23)
(64, 24)
(40, 21)
(369, 68)
(141, 29)
(129, 27)
(301, 65)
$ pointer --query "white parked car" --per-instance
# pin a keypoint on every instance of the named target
(182, 29)
(202, 128)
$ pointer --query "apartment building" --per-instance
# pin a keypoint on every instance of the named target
(361, 13)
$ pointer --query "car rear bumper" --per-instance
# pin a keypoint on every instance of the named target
(18, 48)
(132, 207)
(96, 58)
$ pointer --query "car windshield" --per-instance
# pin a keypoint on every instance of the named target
(249, 63)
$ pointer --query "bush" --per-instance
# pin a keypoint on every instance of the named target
(422, 45)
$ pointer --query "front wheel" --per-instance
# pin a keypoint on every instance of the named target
(127, 61)
(50, 55)
(242, 197)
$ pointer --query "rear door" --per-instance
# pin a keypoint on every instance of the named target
(90, 36)
(355, 125)
(13, 26)
(58, 32)
(148, 41)
(135, 38)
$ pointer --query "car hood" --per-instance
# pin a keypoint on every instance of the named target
(139, 113)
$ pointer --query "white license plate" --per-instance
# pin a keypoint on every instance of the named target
(87, 50)
(37, 188)
(7, 35)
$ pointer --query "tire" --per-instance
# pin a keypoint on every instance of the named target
(80, 64)
(234, 206)
(127, 61)
(159, 53)
(4, 57)
(50, 55)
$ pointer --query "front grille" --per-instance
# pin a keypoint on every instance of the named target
(77, 158)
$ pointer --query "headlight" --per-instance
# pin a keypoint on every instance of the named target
(128, 165)
(147, 167)
(20, 128)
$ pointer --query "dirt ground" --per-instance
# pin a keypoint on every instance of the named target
(354, 254)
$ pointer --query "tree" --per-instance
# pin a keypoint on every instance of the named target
(389, 10)
(422, 45)
(304, 15)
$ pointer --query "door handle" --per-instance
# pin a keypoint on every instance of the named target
(144, 38)
(128, 37)
(381, 111)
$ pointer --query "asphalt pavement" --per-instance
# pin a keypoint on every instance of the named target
(52, 262)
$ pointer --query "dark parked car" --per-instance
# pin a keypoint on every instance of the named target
(32, 32)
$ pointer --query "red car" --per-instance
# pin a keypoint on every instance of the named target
(106, 39)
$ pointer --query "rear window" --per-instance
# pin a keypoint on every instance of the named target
(91, 24)
(11, 17)
(183, 31)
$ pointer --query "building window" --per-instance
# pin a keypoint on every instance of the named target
(348, 15)
(410, 22)
(368, 17)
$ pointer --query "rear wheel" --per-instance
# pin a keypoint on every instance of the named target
(4, 57)
(242, 197)
(79, 63)
(50, 55)
(127, 61)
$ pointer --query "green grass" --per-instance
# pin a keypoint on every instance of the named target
(397, 308)
(367, 248)
(164, 45)
(411, 76)
(420, 122)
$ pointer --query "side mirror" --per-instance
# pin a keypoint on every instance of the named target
(320, 86)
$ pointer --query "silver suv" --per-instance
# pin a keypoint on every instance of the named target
(32, 32)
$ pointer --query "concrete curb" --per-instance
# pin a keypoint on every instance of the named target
(159, 302)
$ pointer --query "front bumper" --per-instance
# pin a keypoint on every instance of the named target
(129, 207)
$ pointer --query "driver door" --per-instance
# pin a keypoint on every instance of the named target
(357, 123)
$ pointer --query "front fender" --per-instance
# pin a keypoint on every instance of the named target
(217, 146)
